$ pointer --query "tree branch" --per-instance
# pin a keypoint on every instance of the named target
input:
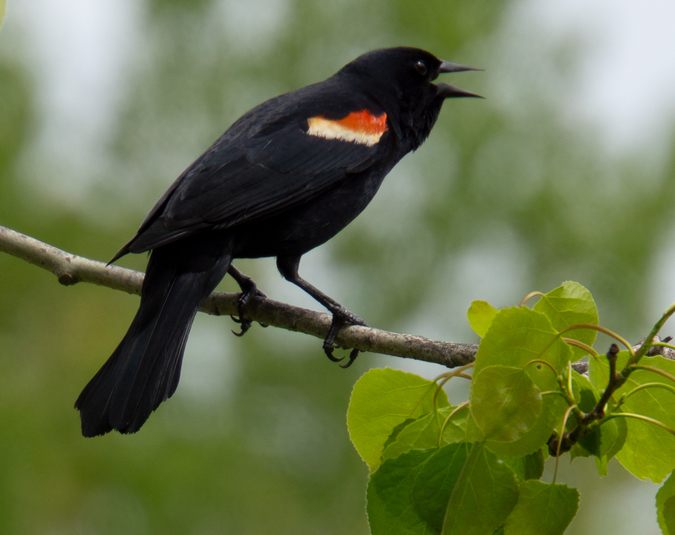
(71, 269)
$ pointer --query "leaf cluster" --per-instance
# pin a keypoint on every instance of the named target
(476, 468)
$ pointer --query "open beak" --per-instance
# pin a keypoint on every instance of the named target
(450, 91)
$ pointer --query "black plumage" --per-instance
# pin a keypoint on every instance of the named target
(283, 179)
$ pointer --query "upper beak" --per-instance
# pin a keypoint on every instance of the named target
(447, 66)
(450, 91)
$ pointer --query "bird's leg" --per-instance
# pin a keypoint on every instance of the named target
(249, 290)
(288, 267)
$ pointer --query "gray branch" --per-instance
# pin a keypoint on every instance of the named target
(71, 269)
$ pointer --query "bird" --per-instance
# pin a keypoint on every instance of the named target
(283, 179)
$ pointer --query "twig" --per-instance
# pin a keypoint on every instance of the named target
(71, 269)
(559, 445)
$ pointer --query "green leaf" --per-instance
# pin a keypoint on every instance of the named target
(481, 314)
(518, 336)
(642, 441)
(504, 402)
(609, 434)
(612, 440)
(598, 369)
(528, 467)
(542, 509)
(648, 450)
(424, 433)
(419, 434)
(587, 398)
(598, 441)
(397, 431)
(483, 497)
(669, 514)
(665, 506)
(455, 429)
(601, 464)
(585, 394)
(588, 445)
(614, 447)
(409, 495)
(381, 401)
(552, 411)
(567, 305)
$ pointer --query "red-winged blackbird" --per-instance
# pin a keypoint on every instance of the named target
(283, 179)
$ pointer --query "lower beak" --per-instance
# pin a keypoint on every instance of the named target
(450, 91)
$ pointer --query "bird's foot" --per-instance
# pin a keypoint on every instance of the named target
(249, 291)
(341, 318)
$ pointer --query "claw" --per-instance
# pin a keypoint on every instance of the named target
(329, 354)
(245, 297)
(244, 328)
(245, 324)
(329, 342)
(340, 320)
(352, 357)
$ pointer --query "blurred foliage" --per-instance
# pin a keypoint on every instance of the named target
(255, 439)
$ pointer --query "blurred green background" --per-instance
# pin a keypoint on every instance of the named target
(565, 172)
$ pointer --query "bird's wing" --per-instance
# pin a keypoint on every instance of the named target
(244, 178)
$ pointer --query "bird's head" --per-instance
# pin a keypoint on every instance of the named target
(402, 81)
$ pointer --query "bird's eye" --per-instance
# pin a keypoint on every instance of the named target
(421, 67)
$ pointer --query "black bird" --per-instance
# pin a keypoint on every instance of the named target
(283, 179)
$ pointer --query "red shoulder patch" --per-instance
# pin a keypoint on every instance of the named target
(358, 127)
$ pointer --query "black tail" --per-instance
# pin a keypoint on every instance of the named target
(145, 368)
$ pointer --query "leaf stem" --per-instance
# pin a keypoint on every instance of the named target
(449, 375)
(557, 392)
(445, 423)
(559, 442)
(655, 370)
(581, 345)
(640, 417)
(642, 387)
(528, 297)
(599, 329)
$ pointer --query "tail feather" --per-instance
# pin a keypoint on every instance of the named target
(144, 370)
